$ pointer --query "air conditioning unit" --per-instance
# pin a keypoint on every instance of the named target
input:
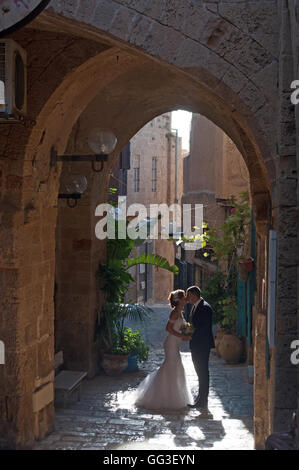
(13, 80)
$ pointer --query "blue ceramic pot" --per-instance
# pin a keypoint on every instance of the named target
(132, 363)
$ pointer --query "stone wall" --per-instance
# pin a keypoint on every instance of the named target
(142, 59)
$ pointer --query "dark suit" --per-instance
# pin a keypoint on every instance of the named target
(201, 343)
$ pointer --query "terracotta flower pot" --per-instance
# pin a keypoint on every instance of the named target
(218, 337)
(231, 348)
(114, 364)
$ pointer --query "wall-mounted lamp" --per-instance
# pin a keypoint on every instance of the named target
(74, 187)
(101, 141)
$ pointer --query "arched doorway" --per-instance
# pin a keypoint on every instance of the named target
(130, 88)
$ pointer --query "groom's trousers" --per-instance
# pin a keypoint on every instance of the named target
(200, 358)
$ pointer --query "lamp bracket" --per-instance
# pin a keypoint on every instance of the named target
(69, 196)
(76, 158)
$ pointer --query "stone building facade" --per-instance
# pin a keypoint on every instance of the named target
(213, 172)
(151, 180)
(123, 62)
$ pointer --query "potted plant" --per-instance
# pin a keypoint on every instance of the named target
(118, 341)
(139, 348)
(230, 346)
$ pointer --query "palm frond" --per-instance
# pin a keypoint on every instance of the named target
(152, 259)
(135, 312)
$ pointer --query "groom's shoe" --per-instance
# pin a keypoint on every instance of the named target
(195, 404)
(202, 405)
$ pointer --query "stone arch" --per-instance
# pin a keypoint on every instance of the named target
(125, 87)
(189, 75)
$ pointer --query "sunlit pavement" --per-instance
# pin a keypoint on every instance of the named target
(105, 418)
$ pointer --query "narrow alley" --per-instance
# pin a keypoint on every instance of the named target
(104, 419)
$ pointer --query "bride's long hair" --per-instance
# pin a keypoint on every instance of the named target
(175, 296)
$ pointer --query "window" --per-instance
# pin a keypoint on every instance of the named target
(154, 174)
(2, 96)
(136, 175)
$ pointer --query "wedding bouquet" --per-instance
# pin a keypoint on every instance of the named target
(187, 329)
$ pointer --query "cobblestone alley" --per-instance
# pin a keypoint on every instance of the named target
(105, 420)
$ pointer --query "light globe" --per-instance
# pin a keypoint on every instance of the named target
(102, 141)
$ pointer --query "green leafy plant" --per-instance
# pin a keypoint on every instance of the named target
(216, 290)
(229, 239)
(135, 344)
(230, 311)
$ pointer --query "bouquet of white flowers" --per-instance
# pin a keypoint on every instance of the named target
(187, 329)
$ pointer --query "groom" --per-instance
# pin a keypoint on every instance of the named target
(201, 342)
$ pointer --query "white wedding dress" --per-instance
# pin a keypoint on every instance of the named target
(166, 388)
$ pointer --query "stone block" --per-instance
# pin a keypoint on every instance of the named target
(253, 58)
(43, 397)
(176, 12)
(286, 281)
(287, 192)
(67, 7)
(170, 46)
(286, 73)
(266, 81)
(288, 251)
(138, 5)
(30, 334)
(252, 97)
(270, 42)
(286, 388)
(45, 358)
(104, 14)
(85, 10)
(123, 23)
(82, 245)
(141, 32)
(224, 39)
(41, 381)
(195, 55)
(45, 323)
(286, 324)
(234, 79)
(154, 9)
(213, 7)
(287, 135)
(256, 18)
(287, 109)
(196, 23)
(14, 183)
(264, 117)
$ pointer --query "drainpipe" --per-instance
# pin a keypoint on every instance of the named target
(271, 304)
(176, 200)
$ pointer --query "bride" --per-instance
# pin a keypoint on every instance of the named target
(166, 388)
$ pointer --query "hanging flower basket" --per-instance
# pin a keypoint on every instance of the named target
(245, 266)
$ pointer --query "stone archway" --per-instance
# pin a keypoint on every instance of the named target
(200, 68)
